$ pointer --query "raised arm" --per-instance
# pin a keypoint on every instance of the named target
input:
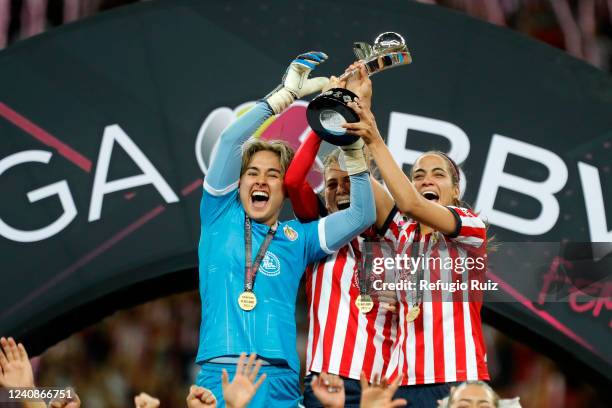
(306, 205)
(304, 200)
(384, 203)
(224, 170)
(361, 85)
(406, 196)
(342, 226)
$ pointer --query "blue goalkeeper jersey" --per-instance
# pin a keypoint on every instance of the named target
(268, 330)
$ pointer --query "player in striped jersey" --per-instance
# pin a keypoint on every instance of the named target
(341, 339)
(439, 339)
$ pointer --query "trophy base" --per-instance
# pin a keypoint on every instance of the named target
(328, 112)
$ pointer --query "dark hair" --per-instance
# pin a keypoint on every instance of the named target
(456, 178)
(454, 171)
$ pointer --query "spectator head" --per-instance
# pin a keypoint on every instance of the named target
(473, 394)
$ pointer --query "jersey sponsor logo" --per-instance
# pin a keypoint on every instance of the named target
(290, 233)
(270, 265)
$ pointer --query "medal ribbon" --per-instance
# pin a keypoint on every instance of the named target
(363, 267)
(420, 270)
(250, 269)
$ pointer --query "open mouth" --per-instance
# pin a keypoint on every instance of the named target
(430, 195)
(259, 199)
(343, 203)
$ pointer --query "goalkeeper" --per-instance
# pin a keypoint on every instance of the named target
(250, 263)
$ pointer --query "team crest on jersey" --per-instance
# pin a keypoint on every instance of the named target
(403, 221)
(290, 233)
(462, 211)
(270, 265)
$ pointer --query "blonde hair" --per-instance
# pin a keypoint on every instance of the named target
(478, 383)
(280, 148)
(333, 157)
(330, 159)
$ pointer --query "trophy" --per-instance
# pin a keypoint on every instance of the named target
(329, 111)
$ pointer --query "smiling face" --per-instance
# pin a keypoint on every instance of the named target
(261, 187)
(434, 179)
(337, 188)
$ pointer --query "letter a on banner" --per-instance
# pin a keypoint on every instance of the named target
(149, 175)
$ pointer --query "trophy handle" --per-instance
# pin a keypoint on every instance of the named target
(362, 50)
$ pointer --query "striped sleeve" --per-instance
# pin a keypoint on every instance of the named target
(399, 230)
(391, 229)
(471, 230)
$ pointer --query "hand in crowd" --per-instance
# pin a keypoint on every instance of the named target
(243, 387)
(200, 397)
(144, 400)
(329, 390)
(380, 394)
(73, 402)
(16, 370)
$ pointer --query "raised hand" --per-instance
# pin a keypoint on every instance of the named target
(200, 397)
(329, 390)
(296, 78)
(359, 83)
(243, 387)
(366, 128)
(15, 367)
(380, 394)
(295, 83)
(144, 400)
(334, 82)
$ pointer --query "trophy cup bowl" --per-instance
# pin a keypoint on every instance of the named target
(327, 112)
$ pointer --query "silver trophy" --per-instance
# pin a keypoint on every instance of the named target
(329, 111)
(389, 50)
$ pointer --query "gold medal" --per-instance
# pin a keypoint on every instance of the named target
(413, 313)
(364, 303)
(247, 300)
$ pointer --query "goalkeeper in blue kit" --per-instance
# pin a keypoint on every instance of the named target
(250, 263)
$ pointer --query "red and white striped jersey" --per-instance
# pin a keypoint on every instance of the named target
(341, 339)
(445, 343)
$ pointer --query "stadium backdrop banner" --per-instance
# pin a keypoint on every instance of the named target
(107, 126)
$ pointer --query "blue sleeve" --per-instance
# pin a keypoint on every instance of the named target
(339, 228)
(213, 207)
(224, 170)
(313, 247)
